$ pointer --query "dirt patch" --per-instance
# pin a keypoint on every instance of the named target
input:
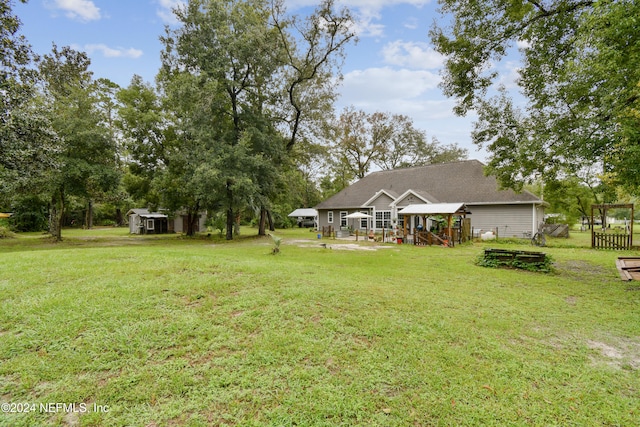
(622, 354)
(577, 269)
(339, 246)
(356, 247)
(571, 300)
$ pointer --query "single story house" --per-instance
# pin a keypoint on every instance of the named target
(141, 221)
(383, 194)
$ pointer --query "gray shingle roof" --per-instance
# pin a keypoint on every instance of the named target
(462, 181)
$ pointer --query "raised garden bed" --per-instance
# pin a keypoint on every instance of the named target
(526, 260)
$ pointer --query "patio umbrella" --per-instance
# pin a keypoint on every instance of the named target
(358, 215)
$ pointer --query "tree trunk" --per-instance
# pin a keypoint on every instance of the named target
(272, 227)
(192, 220)
(262, 222)
(236, 225)
(229, 211)
(119, 217)
(88, 221)
(56, 215)
(230, 224)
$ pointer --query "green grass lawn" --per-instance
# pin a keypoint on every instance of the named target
(174, 331)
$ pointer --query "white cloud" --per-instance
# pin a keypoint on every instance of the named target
(82, 10)
(383, 86)
(366, 12)
(416, 55)
(412, 93)
(109, 52)
(509, 75)
(411, 23)
(358, 4)
(364, 26)
(165, 11)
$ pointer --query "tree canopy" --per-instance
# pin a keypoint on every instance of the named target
(238, 115)
(86, 155)
(26, 138)
(580, 78)
(361, 141)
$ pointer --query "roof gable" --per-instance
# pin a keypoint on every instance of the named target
(411, 197)
(390, 194)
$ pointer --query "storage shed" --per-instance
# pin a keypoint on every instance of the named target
(141, 221)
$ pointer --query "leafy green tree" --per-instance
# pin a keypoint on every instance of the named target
(579, 77)
(143, 124)
(385, 141)
(27, 140)
(142, 121)
(239, 114)
(573, 198)
(86, 155)
(356, 141)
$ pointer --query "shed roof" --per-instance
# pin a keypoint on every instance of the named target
(153, 215)
(455, 182)
(304, 212)
(144, 213)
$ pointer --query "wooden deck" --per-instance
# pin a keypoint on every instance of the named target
(629, 268)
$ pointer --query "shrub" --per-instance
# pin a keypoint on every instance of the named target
(501, 259)
(5, 233)
(276, 244)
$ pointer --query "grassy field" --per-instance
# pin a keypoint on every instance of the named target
(107, 329)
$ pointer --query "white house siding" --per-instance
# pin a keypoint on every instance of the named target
(510, 220)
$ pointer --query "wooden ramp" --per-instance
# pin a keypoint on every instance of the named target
(629, 268)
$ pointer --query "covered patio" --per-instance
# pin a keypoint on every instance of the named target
(446, 235)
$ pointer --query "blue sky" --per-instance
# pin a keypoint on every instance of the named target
(393, 68)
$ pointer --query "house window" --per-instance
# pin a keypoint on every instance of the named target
(330, 217)
(364, 222)
(383, 219)
(401, 222)
(343, 218)
(151, 224)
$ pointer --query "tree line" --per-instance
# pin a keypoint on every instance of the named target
(240, 120)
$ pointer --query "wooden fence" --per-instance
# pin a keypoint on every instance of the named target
(616, 241)
(327, 231)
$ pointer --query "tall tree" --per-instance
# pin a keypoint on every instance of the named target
(27, 140)
(245, 111)
(579, 77)
(387, 141)
(86, 152)
(143, 123)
